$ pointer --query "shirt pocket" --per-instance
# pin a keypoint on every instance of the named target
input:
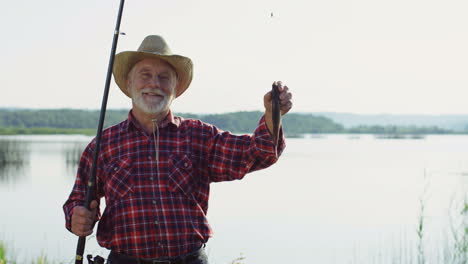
(181, 174)
(118, 183)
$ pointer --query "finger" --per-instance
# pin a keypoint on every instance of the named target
(94, 204)
(279, 84)
(284, 91)
(285, 96)
(285, 108)
(87, 218)
(88, 227)
(82, 233)
(94, 207)
(81, 228)
(286, 105)
(81, 216)
(79, 220)
(82, 224)
(81, 211)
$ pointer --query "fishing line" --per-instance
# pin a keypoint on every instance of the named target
(154, 122)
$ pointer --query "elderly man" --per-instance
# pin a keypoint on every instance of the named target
(155, 169)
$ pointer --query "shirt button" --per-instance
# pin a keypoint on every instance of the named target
(154, 201)
(149, 157)
(151, 178)
(156, 222)
(185, 165)
(116, 168)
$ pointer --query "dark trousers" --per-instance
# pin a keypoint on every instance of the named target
(197, 257)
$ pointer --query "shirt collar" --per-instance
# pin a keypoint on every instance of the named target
(168, 121)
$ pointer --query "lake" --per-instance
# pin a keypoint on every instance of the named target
(329, 199)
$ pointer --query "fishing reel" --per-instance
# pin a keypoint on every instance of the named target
(96, 260)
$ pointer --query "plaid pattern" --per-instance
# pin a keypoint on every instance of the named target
(151, 215)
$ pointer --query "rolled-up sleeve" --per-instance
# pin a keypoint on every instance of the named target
(78, 194)
(231, 157)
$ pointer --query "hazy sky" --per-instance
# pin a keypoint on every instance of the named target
(361, 56)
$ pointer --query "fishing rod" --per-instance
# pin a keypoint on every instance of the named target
(91, 190)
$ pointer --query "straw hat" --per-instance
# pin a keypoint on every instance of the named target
(152, 47)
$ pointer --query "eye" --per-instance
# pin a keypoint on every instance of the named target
(164, 77)
(145, 75)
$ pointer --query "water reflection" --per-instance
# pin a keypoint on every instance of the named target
(14, 156)
(72, 154)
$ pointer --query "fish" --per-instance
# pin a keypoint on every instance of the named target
(276, 113)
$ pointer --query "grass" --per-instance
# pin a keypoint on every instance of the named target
(2, 253)
(12, 152)
(12, 159)
(459, 230)
(455, 249)
(420, 233)
(238, 260)
(42, 260)
(421, 224)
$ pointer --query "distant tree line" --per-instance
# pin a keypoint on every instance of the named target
(398, 130)
(66, 121)
(57, 118)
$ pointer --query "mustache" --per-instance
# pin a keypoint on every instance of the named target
(155, 91)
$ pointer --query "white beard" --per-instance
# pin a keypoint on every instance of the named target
(154, 106)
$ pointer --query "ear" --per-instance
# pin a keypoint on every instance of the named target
(129, 82)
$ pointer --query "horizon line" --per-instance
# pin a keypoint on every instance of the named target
(235, 111)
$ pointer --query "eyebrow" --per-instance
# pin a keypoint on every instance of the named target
(170, 71)
(144, 69)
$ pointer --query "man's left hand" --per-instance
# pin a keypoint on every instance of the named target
(285, 97)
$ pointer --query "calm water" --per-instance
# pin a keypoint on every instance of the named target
(335, 199)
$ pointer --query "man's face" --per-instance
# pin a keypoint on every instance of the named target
(152, 85)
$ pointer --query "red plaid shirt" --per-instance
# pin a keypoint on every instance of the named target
(151, 215)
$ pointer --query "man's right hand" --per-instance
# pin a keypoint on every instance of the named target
(82, 220)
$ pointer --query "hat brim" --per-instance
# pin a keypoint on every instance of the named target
(124, 61)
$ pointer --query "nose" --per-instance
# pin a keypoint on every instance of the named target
(154, 82)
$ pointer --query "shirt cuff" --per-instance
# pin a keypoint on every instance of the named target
(264, 140)
(68, 210)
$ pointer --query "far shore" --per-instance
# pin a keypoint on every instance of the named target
(12, 131)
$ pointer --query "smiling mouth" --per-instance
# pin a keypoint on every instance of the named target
(153, 95)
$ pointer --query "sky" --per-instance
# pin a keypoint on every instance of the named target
(357, 56)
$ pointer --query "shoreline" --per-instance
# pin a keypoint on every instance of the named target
(17, 131)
